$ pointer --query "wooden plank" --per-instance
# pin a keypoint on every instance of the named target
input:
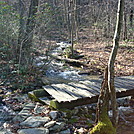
(126, 80)
(124, 83)
(130, 78)
(72, 91)
(97, 84)
(94, 86)
(74, 103)
(58, 95)
(124, 93)
(62, 91)
(81, 91)
(118, 87)
(88, 92)
(87, 100)
(68, 90)
(52, 92)
(96, 81)
(123, 86)
(119, 84)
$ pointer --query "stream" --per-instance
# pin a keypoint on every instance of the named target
(60, 69)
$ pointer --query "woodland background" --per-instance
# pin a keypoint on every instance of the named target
(29, 28)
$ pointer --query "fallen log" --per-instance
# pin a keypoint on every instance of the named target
(72, 62)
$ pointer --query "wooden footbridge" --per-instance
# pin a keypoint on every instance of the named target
(85, 92)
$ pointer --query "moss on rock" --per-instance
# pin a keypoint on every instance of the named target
(32, 96)
(54, 104)
(40, 93)
(36, 94)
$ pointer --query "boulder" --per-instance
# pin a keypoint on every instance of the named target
(54, 114)
(35, 121)
(58, 127)
(67, 131)
(33, 131)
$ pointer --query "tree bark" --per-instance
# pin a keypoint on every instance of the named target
(26, 43)
(21, 34)
(131, 18)
(76, 20)
(108, 19)
(72, 25)
(30, 23)
(112, 61)
(125, 25)
(22, 22)
(103, 100)
(104, 125)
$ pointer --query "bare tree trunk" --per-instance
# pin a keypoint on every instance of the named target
(73, 23)
(125, 25)
(108, 19)
(67, 17)
(22, 25)
(76, 20)
(65, 13)
(112, 60)
(22, 22)
(31, 23)
(78, 11)
(72, 26)
(24, 58)
(131, 18)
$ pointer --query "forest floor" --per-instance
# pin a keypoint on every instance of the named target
(96, 55)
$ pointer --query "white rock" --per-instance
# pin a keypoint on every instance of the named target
(110, 113)
(81, 130)
(6, 125)
(49, 124)
(38, 109)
